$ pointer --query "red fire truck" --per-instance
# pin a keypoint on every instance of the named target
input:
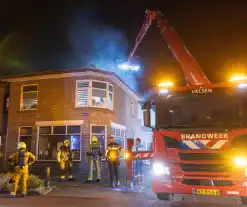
(199, 130)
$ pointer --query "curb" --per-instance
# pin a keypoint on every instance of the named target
(33, 192)
(40, 191)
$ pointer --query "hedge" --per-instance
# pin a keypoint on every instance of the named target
(34, 182)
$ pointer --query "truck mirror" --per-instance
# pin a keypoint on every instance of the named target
(146, 113)
(146, 117)
(146, 105)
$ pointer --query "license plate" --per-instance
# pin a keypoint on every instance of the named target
(206, 192)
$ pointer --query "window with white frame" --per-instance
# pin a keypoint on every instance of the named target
(25, 135)
(51, 139)
(132, 107)
(29, 97)
(91, 93)
(142, 146)
(149, 146)
(140, 113)
(119, 136)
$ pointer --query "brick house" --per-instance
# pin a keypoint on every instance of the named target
(46, 108)
(3, 118)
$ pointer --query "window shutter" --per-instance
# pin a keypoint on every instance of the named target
(82, 93)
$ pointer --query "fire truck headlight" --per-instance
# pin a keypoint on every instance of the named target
(163, 92)
(240, 162)
(160, 169)
(242, 85)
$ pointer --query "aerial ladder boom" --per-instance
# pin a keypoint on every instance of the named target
(192, 72)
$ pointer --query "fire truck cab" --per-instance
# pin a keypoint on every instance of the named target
(200, 139)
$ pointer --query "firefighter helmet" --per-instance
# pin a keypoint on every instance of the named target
(94, 139)
(22, 145)
(66, 142)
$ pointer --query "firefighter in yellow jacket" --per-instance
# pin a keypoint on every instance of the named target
(65, 160)
(19, 163)
(94, 158)
(112, 154)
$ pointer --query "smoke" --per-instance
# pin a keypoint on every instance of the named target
(94, 43)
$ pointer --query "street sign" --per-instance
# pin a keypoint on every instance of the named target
(85, 114)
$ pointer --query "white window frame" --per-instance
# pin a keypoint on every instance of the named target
(90, 91)
(140, 112)
(91, 134)
(120, 128)
(108, 97)
(132, 108)
(148, 142)
(52, 125)
(21, 97)
(19, 131)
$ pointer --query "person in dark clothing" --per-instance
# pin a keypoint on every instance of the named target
(113, 153)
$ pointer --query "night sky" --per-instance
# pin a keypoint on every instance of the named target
(40, 35)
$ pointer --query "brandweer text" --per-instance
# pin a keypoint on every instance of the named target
(205, 136)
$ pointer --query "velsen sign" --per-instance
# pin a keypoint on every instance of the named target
(202, 90)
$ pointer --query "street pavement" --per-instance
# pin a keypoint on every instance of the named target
(76, 194)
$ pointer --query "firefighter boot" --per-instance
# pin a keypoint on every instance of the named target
(88, 181)
(118, 183)
(62, 178)
(113, 184)
(70, 178)
(10, 196)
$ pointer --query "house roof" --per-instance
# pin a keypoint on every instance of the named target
(71, 73)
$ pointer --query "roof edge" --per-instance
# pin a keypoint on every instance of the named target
(70, 73)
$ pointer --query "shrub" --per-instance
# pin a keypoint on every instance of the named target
(33, 182)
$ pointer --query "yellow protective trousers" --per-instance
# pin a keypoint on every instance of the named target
(93, 163)
(64, 167)
(20, 174)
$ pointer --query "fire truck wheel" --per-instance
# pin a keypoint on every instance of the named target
(164, 196)
(244, 200)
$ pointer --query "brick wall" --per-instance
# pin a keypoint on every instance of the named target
(56, 101)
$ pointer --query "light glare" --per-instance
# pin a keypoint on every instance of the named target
(240, 161)
(126, 66)
(160, 169)
(242, 85)
(163, 91)
(238, 78)
(165, 84)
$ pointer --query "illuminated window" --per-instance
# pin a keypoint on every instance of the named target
(110, 96)
(98, 98)
(51, 139)
(94, 94)
(29, 97)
